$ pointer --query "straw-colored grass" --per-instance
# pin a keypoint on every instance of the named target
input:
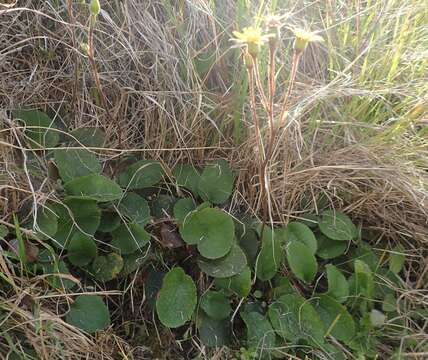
(356, 136)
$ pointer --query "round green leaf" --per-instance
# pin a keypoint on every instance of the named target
(240, 283)
(212, 230)
(106, 268)
(187, 176)
(46, 223)
(182, 208)
(231, 264)
(133, 262)
(301, 260)
(212, 332)
(129, 238)
(142, 174)
(177, 299)
(337, 320)
(56, 280)
(337, 226)
(260, 334)
(216, 305)
(338, 286)
(39, 128)
(328, 248)
(296, 231)
(88, 136)
(74, 163)
(89, 313)
(81, 249)
(96, 187)
(216, 182)
(294, 318)
(135, 208)
(270, 257)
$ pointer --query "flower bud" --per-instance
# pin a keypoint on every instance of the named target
(95, 7)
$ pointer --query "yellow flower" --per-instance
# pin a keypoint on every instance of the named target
(303, 38)
(252, 37)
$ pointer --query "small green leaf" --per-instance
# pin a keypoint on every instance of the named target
(89, 313)
(338, 286)
(212, 230)
(250, 243)
(183, 208)
(337, 320)
(187, 176)
(46, 223)
(231, 264)
(88, 136)
(337, 226)
(40, 130)
(56, 280)
(212, 332)
(142, 174)
(74, 163)
(330, 249)
(270, 257)
(240, 283)
(177, 299)
(389, 303)
(162, 206)
(3, 231)
(133, 262)
(377, 318)
(216, 305)
(294, 318)
(260, 334)
(106, 268)
(109, 221)
(296, 231)
(96, 187)
(75, 215)
(135, 208)
(216, 182)
(81, 249)
(129, 238)
(397, 258)
(301, 260)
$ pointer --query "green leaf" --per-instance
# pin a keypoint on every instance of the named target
(106, 268)
(162, 206)
(330, 249)
(152, 286)
(232, 264)
(389, 303)
(296, 231)
(337, 226)
(260, 334)
(129, 238)
(89, 313)
(270, 257)
(282, 287)
(74, 163)
(212, 332)
(88, 136)
(109, 221)
(3, 231)
(364, 283)
(337, 320)
(81, 249)
(187, 176)
(39, 128)
(177, 299)
(212, 230)
(216, 182)
(142, 174)
(96, 187)
(240, 283)
(294, 318)
(216, 305)
(338, 286)
(183, 208)
(397, 258)
(46, 223)
(133, 262)
(301, 260)
(75, 215)
(377, 318)
(250, 243)
(56, 280)
(135, 208)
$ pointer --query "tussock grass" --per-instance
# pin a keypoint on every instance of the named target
(176, 91)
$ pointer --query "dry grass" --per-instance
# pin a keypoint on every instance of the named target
(175, 91)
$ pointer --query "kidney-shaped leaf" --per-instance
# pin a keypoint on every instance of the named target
(337, 226)
(94, 186)
(216, 182)
(270, 257)
(301, 261)
(240, 283)
(129, 238)
(106, 268)
(328, 248)
(231, 264)
(81, 249)
(74, 163)
(212, 230)
(177, 299)
(142, 174)
(260, 335)
(296, 231)
(89, 313)
(216, 305)
(187, 176)
(135, 208)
